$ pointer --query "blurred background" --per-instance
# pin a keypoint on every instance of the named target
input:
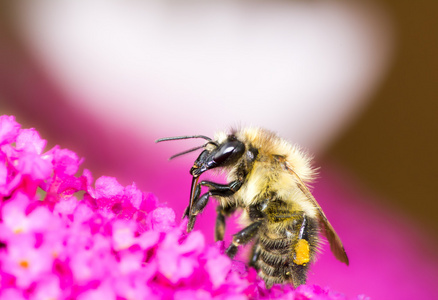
(353, 83)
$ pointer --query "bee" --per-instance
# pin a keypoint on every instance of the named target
(268, 181)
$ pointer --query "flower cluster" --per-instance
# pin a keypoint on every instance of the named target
(64, 236)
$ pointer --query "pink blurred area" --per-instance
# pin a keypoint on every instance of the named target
(109, 100)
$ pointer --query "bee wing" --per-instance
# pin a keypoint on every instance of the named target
(335, 242)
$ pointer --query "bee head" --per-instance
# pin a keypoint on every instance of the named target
(216, 154)
(222, 155)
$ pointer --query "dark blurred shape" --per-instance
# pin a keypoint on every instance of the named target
(393, 146)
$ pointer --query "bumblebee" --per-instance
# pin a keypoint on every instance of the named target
(267, 180)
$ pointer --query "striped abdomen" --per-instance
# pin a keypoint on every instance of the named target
(284, 249)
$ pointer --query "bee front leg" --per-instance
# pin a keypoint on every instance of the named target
(243, 237)
(222, 212)
(215, 189)
(199, 204)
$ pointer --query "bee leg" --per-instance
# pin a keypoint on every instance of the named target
(199, 204)
(219, 229)
(215, 189)
(192, 218)
(254, 254)
(243, 237)
(220, 221)
(303, 250)
(196, 196)
(191, 223)
(223, 190)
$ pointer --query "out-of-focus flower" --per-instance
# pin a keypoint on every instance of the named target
(61, 237)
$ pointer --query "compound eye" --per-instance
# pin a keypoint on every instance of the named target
(228, 152)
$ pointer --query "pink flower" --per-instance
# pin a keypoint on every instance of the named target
(8, 129)
(17, 221)
(162, 219)
(66, 162)
(28, 140)
(178, 260)
(33, 165)
(104, 291)
(133, 289)
(123, 235)
(47, 288)
(107, 190)
(197, 294)
(11, 293)
(26, 262)
(217, 266)
(148, 239)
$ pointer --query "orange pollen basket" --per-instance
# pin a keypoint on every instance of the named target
(302, 252)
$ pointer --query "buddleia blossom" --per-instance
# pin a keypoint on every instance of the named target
(65, 236)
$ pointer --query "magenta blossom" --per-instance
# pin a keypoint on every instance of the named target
(63, 236)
